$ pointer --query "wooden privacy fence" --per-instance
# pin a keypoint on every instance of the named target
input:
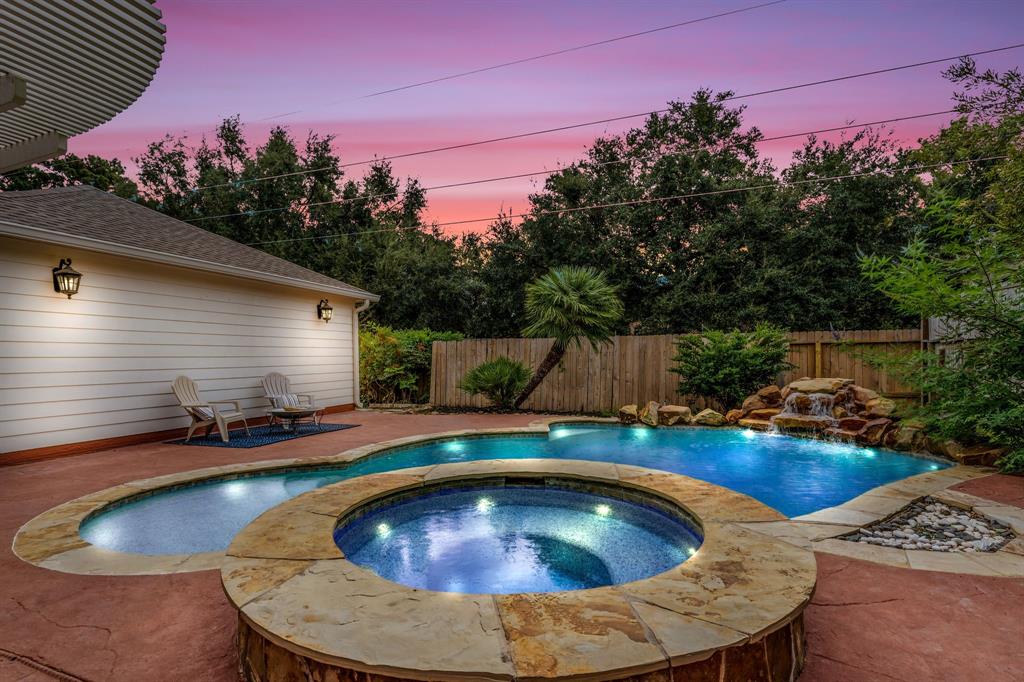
(635, 369)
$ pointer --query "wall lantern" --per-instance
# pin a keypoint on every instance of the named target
(324, 310)
(65, 278)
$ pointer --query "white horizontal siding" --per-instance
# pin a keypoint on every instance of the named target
(100, 365)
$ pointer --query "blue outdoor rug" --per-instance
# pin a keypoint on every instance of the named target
(261, 435)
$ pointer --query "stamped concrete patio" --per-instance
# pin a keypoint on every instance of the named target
(867, 621)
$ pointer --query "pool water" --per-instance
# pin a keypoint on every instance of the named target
(506, 540)
(793, 475)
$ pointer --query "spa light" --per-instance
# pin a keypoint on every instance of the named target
(324, 310)
(603, 510)
(383, 530)
(65, 278)
(484, 504)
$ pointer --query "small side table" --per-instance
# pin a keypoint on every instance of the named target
(289, 418)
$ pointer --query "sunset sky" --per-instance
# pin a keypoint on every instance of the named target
(306, 65)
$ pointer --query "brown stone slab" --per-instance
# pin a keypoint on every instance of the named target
(297, 535)
(738, 579)
(337, 611)
(246, 579)
(566, 634)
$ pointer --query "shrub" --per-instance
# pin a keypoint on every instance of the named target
(499, 380)
(728, 366)
(394, 364)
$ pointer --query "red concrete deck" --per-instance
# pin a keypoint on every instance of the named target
(867, 622)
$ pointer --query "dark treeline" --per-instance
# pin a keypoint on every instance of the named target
(786, 252)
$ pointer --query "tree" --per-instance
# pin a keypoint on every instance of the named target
(568, 304)
(71, 169)
(964, 268)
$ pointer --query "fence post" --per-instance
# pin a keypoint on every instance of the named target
(817, 359)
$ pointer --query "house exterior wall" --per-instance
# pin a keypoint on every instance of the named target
(100, 365)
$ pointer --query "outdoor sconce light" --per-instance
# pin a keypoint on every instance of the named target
(324, 310)
(65, 278)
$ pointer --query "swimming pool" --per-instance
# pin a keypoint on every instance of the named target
(511, 539)
(795, 476)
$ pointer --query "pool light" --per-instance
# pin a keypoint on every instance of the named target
(691, 550)
(454, 446)
(383, 530)
(602, 510)
(484, 505)
(749, 433)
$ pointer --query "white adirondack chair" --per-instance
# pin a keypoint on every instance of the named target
(206, 414)
(278, 390)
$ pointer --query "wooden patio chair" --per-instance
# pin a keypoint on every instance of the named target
(278, 390)
(206, 414)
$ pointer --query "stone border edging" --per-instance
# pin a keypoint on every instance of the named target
(293, 586)
(52, 540)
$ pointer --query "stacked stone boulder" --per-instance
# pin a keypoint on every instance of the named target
(655, 414)
(852, 412)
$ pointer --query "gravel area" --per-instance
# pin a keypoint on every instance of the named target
(931, 525)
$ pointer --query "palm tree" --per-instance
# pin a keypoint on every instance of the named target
(569, 304)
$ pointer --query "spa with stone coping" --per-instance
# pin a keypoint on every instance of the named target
(734, 608)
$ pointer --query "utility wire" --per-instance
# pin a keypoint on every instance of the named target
(467, 183)
(635, 202)
(506, 64)
(567, 50)
(613, 119)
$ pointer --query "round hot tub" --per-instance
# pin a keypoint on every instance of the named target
(509, 538)
(528, 569)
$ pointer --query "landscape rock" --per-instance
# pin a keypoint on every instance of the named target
(754, 402)
(649, 415)
(669, 415)
(801, 422)
(863, 395)
(840, 412)
(628, 414)
(873, 431)
(733, 416)
(879, 407)
(826, 385)
(770, 394)
(841, 434)
(852, 423)
(979, 455)
(756, 424)
(764, 413)
(934, 526)
(709, 417)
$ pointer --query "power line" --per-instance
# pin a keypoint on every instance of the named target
(612, 119)
(467, 183)
(567, 50)
(514, 62)
(635, 202)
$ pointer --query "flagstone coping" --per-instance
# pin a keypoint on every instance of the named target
(819, 531)
(52, 539)
(295, 589)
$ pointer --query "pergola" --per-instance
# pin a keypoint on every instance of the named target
(68, 66)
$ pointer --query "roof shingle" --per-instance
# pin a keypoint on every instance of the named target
(84, 211)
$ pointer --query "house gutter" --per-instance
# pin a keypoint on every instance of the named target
(358, 308)
(20, 231)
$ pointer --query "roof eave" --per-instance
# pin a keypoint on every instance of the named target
(12, 229)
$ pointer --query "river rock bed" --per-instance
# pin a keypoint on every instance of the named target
(931, 525)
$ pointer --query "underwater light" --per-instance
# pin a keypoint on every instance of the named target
(235, 490)
(484, 504)
(383, 530)
(749, 433)
(454, 446)
(868, 452)
(691, 550)
(602, 510)
(933, 467)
